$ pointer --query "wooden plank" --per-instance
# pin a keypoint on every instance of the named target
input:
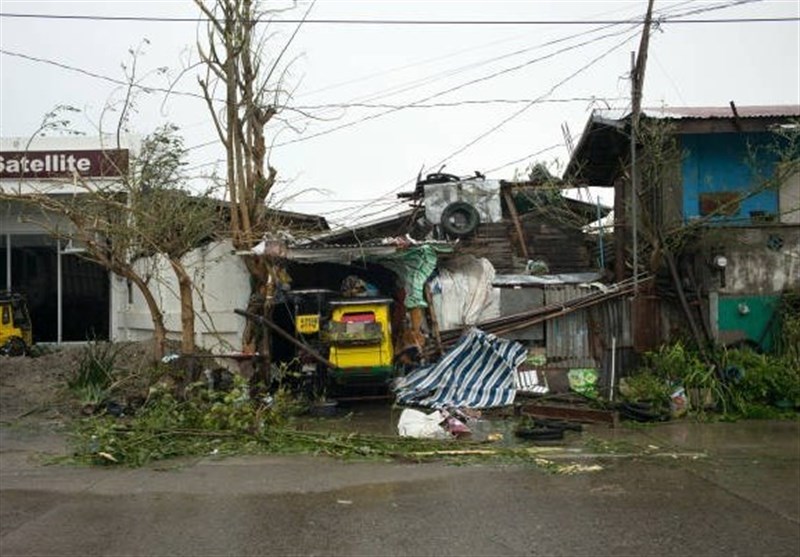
(571, 413)
(434, 323)
(512, 210)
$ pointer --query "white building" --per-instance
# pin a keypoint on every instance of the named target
(72, 299)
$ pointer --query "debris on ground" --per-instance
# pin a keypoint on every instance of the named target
(439, 424)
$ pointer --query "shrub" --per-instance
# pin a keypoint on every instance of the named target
(94, 376)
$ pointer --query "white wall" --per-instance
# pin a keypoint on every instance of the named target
(789, 200)
(221, 284)
(754, 268)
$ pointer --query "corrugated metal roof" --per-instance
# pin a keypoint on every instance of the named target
(616, 117)
(604, 141)
(706, 112)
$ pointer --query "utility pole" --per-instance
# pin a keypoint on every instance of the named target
(638, 64)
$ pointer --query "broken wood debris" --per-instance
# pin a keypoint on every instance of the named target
(571, 413)
(510, 323)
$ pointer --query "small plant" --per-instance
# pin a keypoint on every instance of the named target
(789, 337)
(645, 386)
(675, 365)
(764, 379)
(675, 362)
(94, 376)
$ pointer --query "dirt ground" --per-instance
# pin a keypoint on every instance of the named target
(34, 388)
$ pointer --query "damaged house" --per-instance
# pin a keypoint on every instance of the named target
(718, 215)
(508, 257)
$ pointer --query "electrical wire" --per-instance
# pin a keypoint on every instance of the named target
(450, 90)
(517, 113)
(423, 101)
(95, 75)
(393, 107)
(466, 102)
(438, 58)
(633, 22)
(455, 104)
(442, 75)
(399, 22)
(407, 182)
(343, 105)
(525, 158)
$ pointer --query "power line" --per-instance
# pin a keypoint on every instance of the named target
(419, 82)
(671, 12)
(452, 89)
(396, 108)
(404, 22)
(154, 89)
(525, 158)
(690, 12)
(95, 75)
(392, 108)
(632, 23)
(519, 112)
(514, 115)
(454, 104)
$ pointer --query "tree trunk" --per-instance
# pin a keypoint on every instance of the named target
(256, 338)
(187, 307)
(159, 329)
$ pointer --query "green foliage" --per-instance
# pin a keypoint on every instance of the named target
(209, 423)
(206, 422)
(741, 384)
(646, 386)
(675, 362)
(764, 379)
(789, 337)
(94, 376)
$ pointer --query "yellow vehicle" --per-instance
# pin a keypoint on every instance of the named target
(16, 332)
(359, 335)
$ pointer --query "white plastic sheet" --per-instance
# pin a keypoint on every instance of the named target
(420, 425)
(463, 293)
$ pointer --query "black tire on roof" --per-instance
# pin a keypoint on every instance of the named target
(460, 219)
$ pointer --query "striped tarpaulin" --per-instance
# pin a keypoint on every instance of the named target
(477, 373)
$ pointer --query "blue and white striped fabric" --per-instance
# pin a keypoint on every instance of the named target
(477, 373)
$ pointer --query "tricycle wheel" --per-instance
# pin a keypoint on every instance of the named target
(15, 346)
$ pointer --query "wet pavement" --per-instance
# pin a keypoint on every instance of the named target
(670, 489)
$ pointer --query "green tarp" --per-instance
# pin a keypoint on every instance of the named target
(414, 266)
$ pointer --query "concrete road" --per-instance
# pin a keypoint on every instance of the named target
(742, 499)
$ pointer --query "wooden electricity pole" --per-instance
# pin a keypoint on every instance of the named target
(638, 65)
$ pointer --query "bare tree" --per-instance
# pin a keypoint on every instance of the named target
(237, 64)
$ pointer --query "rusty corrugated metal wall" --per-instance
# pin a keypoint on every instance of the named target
(567, 338)
(585, 337)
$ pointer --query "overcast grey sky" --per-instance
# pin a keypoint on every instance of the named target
(351, 173)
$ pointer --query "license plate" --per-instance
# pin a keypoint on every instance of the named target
(307, 324)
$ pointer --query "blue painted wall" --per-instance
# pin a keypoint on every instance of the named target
(721, 162)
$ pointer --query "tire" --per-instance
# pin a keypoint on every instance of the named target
(438, 178)
(15, 346)
(460, 219)
(641, 412)
(537, 433)
(558, 424)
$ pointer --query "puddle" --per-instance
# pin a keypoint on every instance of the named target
(380, 418)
